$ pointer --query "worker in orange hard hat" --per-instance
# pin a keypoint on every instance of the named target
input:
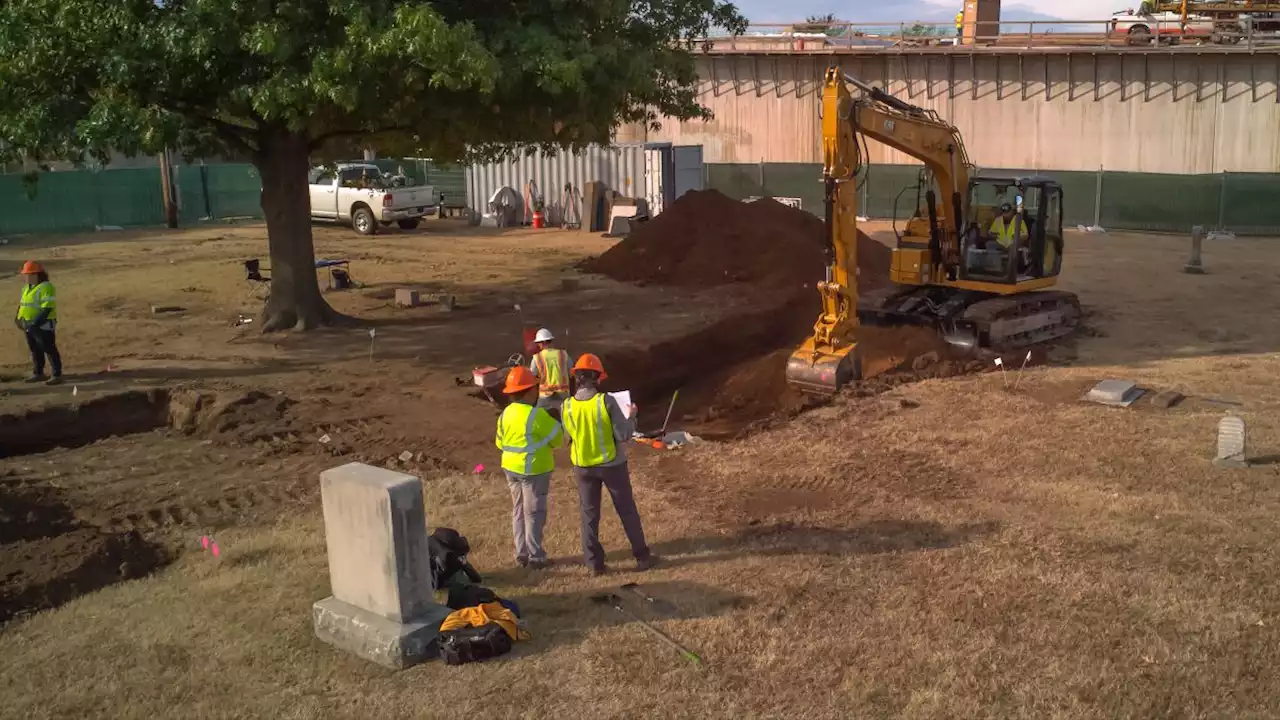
(37, 318)
(526, 436)
(598, 431)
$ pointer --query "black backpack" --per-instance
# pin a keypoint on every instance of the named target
(449, 550)
(474, 644)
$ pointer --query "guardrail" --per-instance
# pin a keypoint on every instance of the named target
(1130, 31)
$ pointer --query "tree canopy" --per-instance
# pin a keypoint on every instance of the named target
(281, 83)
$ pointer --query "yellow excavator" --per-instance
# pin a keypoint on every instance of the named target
(948, 270)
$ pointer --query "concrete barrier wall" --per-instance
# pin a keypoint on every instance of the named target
(1163, 112)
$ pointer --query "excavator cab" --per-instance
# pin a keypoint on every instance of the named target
(1033, 238)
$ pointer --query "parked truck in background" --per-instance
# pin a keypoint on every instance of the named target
(363, 196)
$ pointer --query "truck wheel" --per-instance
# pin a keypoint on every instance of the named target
(363, 221)
(1139, 35)
(410, 224)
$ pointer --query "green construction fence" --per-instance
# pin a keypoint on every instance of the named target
(78, 200)
(1243, 203)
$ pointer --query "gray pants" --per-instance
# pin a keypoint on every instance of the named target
(552, 404)
(618, 480)
(528, 514)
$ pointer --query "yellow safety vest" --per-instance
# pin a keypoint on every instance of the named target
(553, 372)
(1004, 233)
(589, 426)
(36, 298)
(526, 436)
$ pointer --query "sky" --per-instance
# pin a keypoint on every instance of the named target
(924, 10)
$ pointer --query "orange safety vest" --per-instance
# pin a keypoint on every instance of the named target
(553, 372)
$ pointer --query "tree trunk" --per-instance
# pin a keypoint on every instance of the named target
(295, 301)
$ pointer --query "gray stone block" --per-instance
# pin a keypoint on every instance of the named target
(391, 644)
(376, 532)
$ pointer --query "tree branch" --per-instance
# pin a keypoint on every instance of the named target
(323, 138)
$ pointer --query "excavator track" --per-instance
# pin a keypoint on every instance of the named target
(1011, 322)
(993, 322)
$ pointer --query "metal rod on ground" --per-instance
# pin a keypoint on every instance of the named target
(1018, 379)
(616, 602)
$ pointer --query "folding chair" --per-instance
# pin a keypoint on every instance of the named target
(254, 278)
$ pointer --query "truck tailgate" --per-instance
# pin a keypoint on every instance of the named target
(412, 197)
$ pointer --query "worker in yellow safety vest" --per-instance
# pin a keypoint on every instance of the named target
(526, 436)
(551, 366)
(960, 23)
(598, 431)
(1006, 227)
(37, 318)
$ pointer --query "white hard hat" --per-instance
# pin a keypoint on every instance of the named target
(544, 335)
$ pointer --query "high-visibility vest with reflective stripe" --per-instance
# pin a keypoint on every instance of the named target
(553, 372)
(1004, 231)
(36, 298)
(589, 426)
(526, 436)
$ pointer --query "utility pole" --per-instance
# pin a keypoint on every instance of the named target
(166, 189)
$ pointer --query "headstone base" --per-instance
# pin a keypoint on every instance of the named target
(1230, 463)
(386, 642)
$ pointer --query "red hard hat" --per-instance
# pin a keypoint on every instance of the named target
(519, 380)
(591, 362)
(32, 268)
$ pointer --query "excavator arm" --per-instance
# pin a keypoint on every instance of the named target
(828, 359)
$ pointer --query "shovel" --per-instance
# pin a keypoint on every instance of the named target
(663, 432)
(616, 602)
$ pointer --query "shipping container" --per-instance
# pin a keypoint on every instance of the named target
(659, 173)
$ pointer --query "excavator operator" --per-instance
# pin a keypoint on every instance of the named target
(1005, 228)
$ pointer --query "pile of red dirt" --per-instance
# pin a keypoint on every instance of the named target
(705, 238)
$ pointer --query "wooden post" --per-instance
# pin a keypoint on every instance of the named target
(166, 189)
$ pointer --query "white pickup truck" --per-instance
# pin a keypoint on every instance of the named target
(1145, 27)
(360, 194)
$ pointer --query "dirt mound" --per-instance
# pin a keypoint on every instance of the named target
(705, 238)
(48, 558)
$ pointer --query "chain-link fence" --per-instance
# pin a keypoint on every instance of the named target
(75, 200)
(1244, 203)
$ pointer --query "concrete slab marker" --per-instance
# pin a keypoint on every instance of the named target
(1115, 393)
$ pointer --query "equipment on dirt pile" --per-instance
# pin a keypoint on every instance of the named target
(491, 379)
(616, 601)
(948, 275)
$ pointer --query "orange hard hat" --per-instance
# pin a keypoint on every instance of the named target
(591, 362)
(519, 380)
(31, 267)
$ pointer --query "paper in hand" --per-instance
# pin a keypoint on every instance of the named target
(624, 402)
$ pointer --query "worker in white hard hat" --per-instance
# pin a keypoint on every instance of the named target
(551, 366)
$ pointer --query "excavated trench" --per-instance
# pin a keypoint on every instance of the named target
(50, 551)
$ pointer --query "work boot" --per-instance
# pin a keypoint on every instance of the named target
(647, 563)
(597, 570)
(522, 562)
(542, 564)
(35, 379)
(55, 380)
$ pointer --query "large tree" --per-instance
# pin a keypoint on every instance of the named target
(282, 83)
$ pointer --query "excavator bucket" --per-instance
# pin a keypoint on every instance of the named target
(823, 373)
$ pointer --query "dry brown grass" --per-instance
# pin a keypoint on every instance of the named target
(948, 549)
